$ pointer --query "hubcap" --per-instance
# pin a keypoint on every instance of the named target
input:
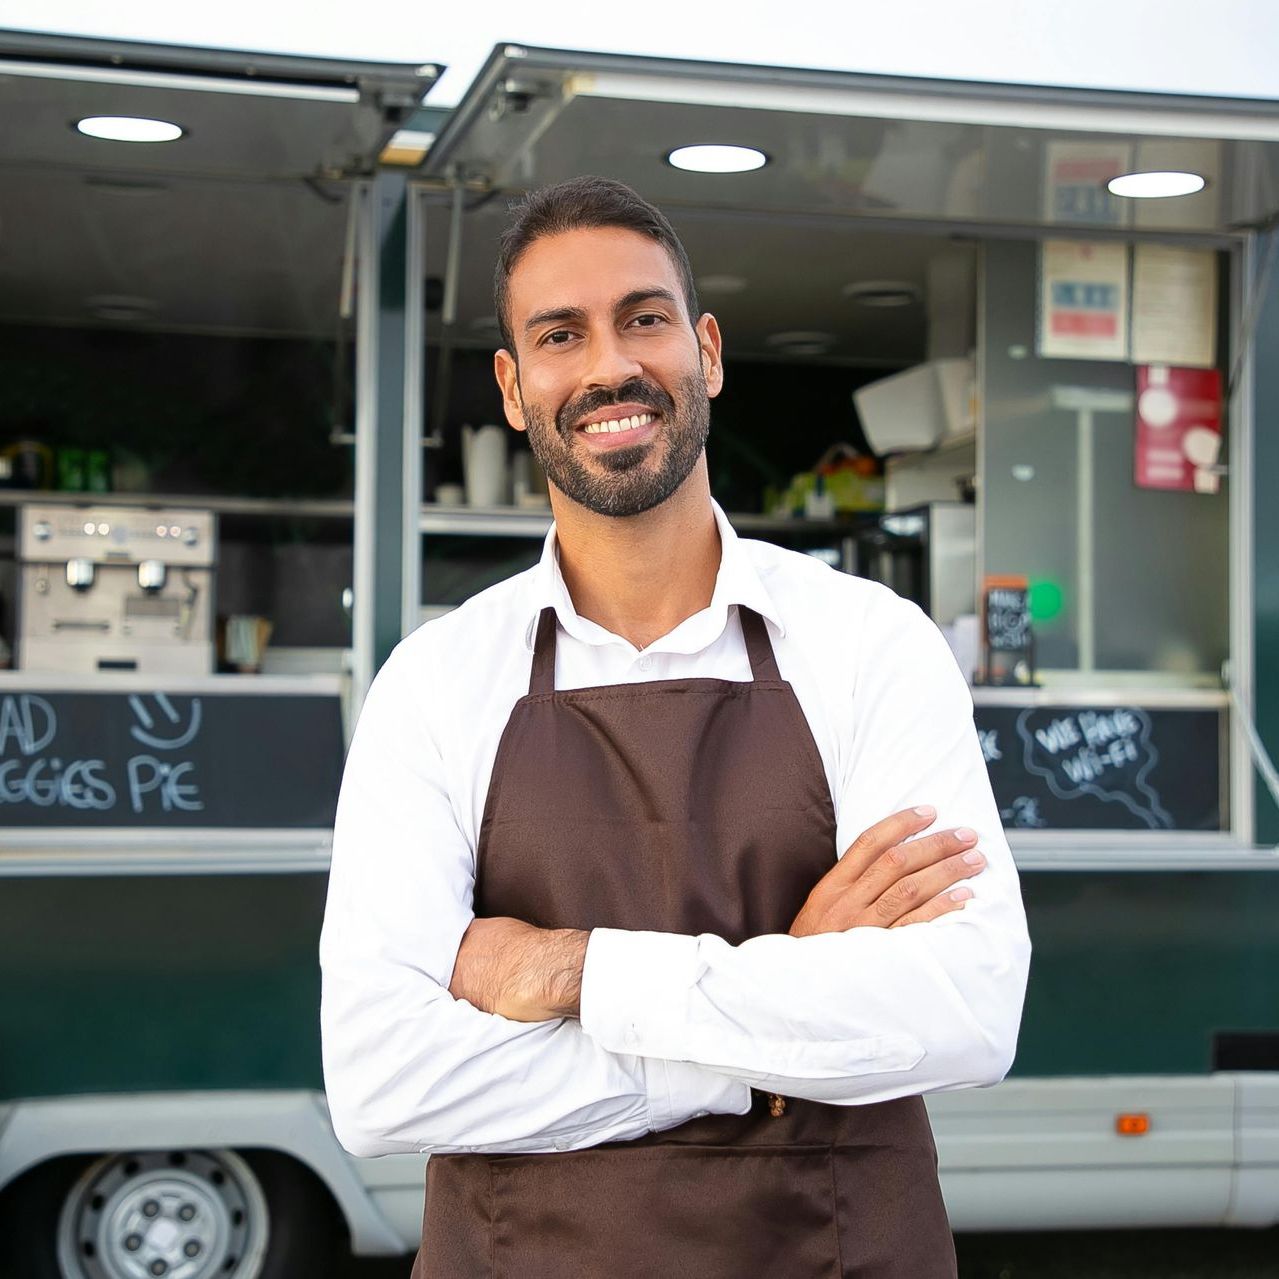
(176, 1215)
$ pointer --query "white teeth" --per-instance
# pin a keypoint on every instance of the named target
(619, 424)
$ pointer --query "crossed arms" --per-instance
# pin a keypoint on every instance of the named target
(443, 1032)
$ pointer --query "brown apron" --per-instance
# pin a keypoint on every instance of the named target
(685, 806)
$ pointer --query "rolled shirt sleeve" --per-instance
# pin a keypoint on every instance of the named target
(868, 1014)
(407, 1067)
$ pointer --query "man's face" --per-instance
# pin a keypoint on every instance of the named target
(610, 376)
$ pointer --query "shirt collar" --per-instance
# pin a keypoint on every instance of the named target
(736, 582)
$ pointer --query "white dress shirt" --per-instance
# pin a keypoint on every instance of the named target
(671, 1027)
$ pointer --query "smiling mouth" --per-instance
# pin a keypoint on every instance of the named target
(618, 426)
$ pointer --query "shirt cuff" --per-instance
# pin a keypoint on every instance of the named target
(678, 1092)
(635, 988)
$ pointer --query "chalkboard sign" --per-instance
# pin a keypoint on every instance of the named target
(1007, 617)
(1105, 767)
(97, 759)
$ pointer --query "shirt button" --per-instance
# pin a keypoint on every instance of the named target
(631, 1038)
(561, 1144)
(645, 663)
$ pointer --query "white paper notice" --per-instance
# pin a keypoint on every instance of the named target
(1075, 178)
(1174, 306)
(1083, 300)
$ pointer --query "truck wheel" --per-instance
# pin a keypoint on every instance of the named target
(193, 1214)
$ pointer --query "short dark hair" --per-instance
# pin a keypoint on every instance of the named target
(575, 205)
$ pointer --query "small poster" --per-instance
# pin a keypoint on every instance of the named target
(1174, 306)
(1178, 428)
(1076, 174)
(1083, 300)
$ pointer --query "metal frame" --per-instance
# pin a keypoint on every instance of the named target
(558, 75)
(835, 92)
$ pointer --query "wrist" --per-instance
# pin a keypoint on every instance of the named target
(563, 959)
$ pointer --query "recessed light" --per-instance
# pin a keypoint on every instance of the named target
(881, 293)
(129, 128)
(720, 283)
(801, 342)
(1155, 186)
(717, 158)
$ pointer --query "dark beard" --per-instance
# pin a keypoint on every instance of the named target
(626, 486)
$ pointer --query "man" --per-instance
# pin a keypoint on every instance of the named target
(588, 940)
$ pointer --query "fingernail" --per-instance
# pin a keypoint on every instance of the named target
(925, 810)
(965, 834)
(961, 894)
(973, 857)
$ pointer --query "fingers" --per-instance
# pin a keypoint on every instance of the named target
(883, 836)
(937, 907)
(911, 891)
(895, 864)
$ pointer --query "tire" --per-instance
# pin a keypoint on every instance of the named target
(192, 1214)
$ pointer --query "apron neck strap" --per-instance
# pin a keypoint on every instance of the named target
(758, 648)
(542, 677)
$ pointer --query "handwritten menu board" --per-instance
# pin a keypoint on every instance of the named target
(1105, 767)
(97, 759)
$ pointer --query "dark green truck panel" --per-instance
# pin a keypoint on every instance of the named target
(141, 983)
(1134, 973)
(138, 983)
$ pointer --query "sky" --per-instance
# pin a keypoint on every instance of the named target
(1220, 47)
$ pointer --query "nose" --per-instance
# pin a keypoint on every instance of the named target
(610, 364)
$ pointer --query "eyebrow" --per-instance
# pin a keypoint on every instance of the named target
(566, 314)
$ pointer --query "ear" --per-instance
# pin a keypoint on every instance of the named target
(710, 347)
(508, 378)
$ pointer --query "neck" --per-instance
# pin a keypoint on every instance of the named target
(642, 575)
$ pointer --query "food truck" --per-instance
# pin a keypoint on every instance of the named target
(242, 452)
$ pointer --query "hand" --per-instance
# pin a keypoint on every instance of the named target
(508, 967)
(884, 882)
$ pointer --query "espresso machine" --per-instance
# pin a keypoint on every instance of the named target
(113, 588)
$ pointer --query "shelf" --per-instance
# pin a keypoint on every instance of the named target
(472, 521)
(316, 508)
(508, 521)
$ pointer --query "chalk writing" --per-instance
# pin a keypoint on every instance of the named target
(989, 738)
(1023, 813)
(1008, 618)
(1104, 753)
(29, 776)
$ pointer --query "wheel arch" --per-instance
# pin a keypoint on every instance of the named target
(295, 1124)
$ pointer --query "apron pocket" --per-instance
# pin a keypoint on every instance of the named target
(662, 1212)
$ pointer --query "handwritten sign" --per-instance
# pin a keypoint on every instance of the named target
(160, 759)
(1007, 617)
(1105, 767)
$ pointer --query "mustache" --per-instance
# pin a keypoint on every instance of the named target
(636, 391)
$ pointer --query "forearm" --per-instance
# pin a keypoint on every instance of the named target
(508, 967)
(409, 1069)
(858, 1016)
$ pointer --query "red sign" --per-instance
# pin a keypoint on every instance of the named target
(1178, 428)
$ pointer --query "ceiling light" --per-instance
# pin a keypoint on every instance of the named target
(881, 293)
(801, 342)
(1155, 186)
(129, 128)
(720, 284)
(717, 158)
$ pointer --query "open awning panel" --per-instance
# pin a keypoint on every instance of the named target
(238, 226)
(864, 146)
